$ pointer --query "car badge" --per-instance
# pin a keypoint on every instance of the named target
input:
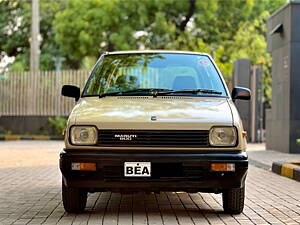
(125, 137)
(153, 118)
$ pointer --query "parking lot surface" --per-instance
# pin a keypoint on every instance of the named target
(30, 193)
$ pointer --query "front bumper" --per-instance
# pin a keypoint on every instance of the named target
(171, 171)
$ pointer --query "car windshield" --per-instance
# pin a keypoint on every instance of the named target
(159, 72)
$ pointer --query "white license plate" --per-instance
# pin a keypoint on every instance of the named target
(137, 169)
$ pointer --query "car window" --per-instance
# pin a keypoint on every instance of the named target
(172, 71)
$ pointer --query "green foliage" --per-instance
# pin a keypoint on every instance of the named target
(14, 30)
(250, 43)
(15, 26)
(80, 30)
(58, 124)
(88, 62)
(9, 132)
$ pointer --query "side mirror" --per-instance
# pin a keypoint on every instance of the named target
(240, 93)
(71, 91)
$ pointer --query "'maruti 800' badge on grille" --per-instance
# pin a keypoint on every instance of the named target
(125, 137)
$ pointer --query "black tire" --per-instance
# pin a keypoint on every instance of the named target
(74, 199)
(233, 200)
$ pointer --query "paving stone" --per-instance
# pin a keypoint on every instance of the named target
(30, 193)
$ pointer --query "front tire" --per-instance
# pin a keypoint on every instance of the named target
(233, 200)
(74, 199)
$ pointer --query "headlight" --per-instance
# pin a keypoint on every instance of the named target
(83, 135)
(223, 136)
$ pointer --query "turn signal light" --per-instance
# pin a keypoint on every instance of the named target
(222, 167)
(84, 166)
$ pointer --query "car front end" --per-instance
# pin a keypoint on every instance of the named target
(163, 139)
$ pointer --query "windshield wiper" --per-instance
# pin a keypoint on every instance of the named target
(139, 90)
(193, 91)
(148, 90)
(110, 94)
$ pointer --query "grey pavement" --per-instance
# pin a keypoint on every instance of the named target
(30, 194)
(259, 156)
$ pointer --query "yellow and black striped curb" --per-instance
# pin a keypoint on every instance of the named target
(18, 137)
(287, 169)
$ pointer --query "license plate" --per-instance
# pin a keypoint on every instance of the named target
(137, 169)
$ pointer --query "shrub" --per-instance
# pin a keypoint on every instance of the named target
(58, 124)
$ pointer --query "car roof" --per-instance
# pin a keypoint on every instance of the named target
(154, 51)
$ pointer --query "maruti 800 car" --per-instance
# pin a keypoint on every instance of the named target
(154, 121)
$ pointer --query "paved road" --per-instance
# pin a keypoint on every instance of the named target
(30, 194)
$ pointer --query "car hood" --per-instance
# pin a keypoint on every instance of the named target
(147, 112)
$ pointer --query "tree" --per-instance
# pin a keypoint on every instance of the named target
(80, 30)
(99, 25)
(86, 27)
(250, 43)
(15, 27)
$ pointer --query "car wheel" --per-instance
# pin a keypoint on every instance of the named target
(74, 199)
(233, 200)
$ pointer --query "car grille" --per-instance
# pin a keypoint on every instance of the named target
(173, 138)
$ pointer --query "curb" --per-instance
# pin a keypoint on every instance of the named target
(287, 169)
(259, 164)
(18, 138)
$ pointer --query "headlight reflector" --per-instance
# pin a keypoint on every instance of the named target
(223, 136)
(83, 135)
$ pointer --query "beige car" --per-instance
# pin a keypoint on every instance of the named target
(154, 121)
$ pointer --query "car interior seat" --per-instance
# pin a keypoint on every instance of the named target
(184, 82)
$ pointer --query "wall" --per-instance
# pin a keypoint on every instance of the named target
(284, 120)
(38, 125)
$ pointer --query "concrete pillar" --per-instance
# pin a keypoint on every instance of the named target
(241, 77)
(256, 105)
(246, 75)
(283, 37)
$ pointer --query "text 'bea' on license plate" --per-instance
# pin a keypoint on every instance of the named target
(137, 169)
